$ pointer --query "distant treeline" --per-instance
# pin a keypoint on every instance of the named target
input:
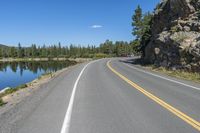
(108, 48)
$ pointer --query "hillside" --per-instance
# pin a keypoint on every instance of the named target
(1, 45)
(175, 35)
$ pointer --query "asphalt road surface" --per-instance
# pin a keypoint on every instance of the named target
(114, 96)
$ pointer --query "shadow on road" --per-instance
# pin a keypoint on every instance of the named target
(134, 60)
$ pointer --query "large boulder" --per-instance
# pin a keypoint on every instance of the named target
(175, 35)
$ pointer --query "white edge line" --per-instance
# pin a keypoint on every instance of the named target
(67, 119)
(162, 77)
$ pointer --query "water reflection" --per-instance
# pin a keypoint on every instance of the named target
(13, 74)
(35, 66)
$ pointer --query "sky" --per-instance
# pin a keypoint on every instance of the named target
(68, 21)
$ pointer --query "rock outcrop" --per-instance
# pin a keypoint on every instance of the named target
(175, 35)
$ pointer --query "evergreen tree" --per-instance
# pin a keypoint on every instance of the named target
(59, 49)
(19, 52)
(1, 53)
(54, 51)
(141, 29)
(107, 48)
(137, 23)
(13, 52)
(44, 51)
(146, 32)
(33, 51)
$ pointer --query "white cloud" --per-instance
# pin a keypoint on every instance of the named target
(96, 26)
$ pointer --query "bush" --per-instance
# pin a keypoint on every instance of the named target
(1, 102)
(21, 86)
(9, 91)
(101, 55)
(12, 90)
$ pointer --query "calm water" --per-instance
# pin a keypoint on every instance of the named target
(13, 74)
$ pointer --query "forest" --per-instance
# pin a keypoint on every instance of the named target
(106, 49)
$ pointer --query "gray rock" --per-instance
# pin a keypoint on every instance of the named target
(186, 28)
(175, 31)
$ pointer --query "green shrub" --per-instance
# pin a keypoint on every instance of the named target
(1, 102)
(12, 90)
(21, 86)
(9, 91)
(101, 55)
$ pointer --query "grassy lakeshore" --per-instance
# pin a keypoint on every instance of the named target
(195, 77)
(39, 80)
(12, 91)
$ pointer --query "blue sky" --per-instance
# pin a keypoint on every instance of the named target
(67, 21)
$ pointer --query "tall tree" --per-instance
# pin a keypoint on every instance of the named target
(137, 26)
(137, 23)
(1, 52)
(146, 32)
(34, 50)
(141, 29)
(19, 52)
(59, 49)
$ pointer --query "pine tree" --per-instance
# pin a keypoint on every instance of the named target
(146, 32)
(19, 52)
(1, 53)
(44, 51)
(141, 29)
(59, 49)
(137, 23)
(33, 51)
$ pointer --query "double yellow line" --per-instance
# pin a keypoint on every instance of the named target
(167, 106)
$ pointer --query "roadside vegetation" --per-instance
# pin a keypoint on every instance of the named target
(1, 102)
(177, 73)
(49, 74)
(10, 91)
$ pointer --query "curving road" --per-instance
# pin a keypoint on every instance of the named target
(114, 96)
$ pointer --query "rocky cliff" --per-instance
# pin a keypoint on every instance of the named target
(175, 35)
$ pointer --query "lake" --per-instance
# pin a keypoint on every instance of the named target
(13, 74)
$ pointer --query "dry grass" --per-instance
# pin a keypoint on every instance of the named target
(10, 91)
(178, 73)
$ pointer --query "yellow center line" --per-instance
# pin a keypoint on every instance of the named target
(167, 106)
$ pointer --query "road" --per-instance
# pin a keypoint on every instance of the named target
(114, 96)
